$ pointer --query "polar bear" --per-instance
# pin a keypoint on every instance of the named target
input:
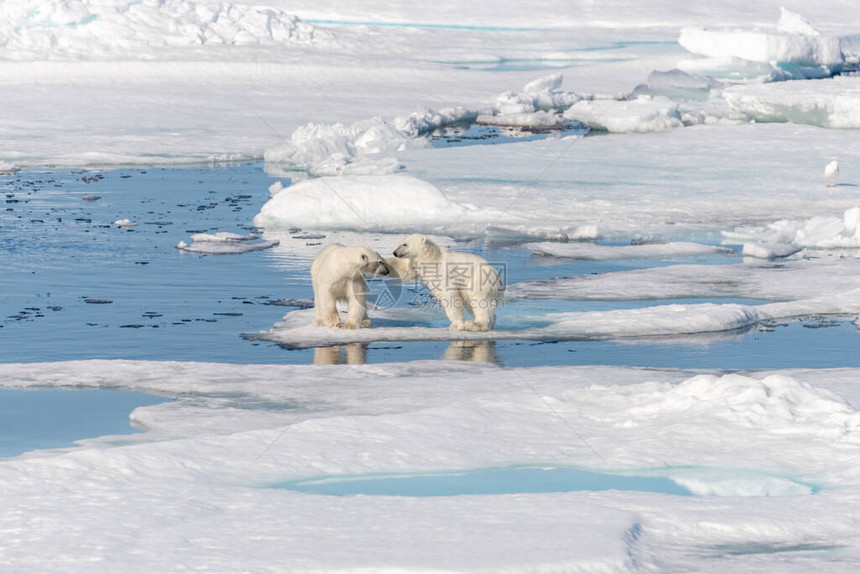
(337, 274)
(459, 282)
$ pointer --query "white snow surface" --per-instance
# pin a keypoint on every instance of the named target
(195, 490)
(829, 103)
(786, 281)
(822, 232)
(369, 202)
(594, 252)
(33, 30)
(642, 114)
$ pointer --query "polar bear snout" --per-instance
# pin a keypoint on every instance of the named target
(399, 252)
(382, 269)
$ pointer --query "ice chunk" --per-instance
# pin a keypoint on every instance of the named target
(793, 23)
(124, 223)
(515, 119)
(640, 115)
(7, 168)
(537, 105)
(381, 202)
(795, 44)
(852, 222)
(225, 242)
(769, 250)
(676, 85)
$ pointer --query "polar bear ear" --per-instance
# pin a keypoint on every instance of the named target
(422, 239)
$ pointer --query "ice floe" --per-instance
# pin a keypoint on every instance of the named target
(784, 452)
(594, 252)
(670, 320)
(224, 243)
(790, 280)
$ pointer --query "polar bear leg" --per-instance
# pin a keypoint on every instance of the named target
(325, 307)
(453, 306)
(484, 312)
(357, 298)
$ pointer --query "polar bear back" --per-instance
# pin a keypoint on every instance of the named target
(467, 272)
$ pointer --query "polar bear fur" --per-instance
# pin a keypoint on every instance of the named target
(459, 281)
(337, 274)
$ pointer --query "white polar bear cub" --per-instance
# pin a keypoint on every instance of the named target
(459, 281)
(337, 274)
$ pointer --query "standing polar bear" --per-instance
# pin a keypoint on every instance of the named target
(337, 274)
(459, 281)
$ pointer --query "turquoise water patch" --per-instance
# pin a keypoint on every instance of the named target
(39, 419)
(488, 482)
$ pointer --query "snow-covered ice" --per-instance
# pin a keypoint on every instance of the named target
(225, 242)
(195, 489)
(821, 232)
(794, 46)
(829, 103)
(642, 114)
(341, 101)
(593, 251)
(378, 202)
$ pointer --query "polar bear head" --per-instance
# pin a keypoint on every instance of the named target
(418, 248)
(369, 262)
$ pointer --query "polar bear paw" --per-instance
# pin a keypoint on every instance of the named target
(474, 327)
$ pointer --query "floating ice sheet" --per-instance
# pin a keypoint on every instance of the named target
(225, 242)
(591, 251)
(785, 281)
(675, 320)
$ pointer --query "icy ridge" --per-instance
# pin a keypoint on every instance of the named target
(363, 147)
(93, 27)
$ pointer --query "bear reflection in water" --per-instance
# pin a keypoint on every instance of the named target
(352, 354)
(356, 353)
(480, 351)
